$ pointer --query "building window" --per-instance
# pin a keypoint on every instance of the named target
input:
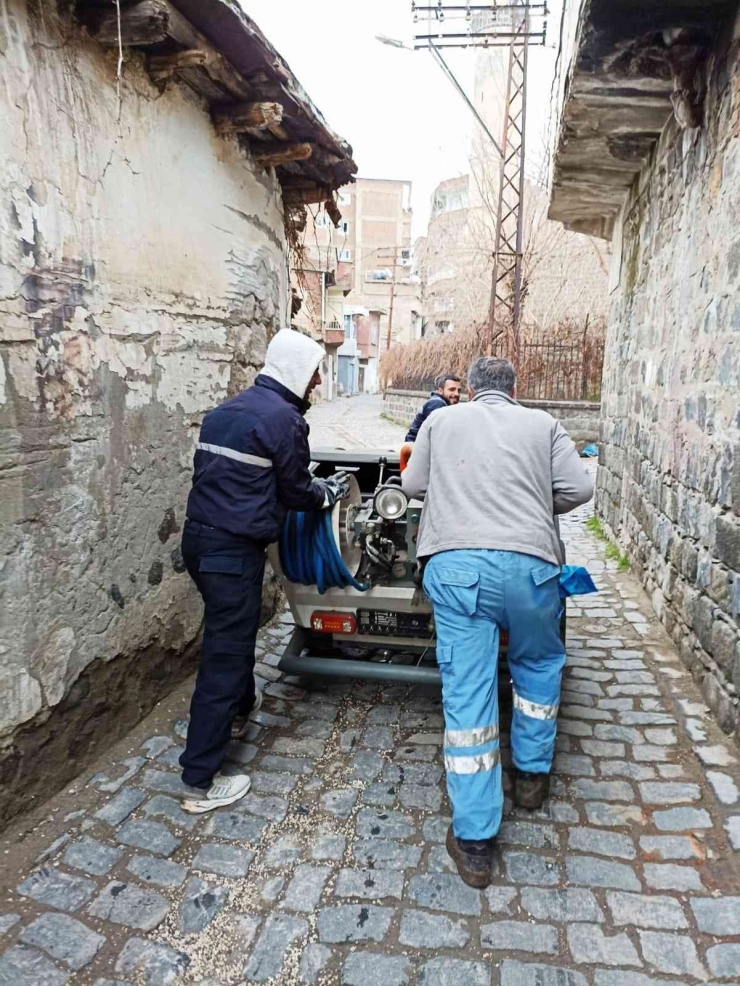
(349, 327)
(345, 198)
(345, 255)
(405, 256)
(344, 227)
(377, 275)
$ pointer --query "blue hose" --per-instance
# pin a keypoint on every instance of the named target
(309, 555)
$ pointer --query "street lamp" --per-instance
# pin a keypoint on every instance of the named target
(395, 43)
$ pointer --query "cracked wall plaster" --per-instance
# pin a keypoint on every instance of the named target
(143, 268)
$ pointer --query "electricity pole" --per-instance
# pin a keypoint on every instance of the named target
(486, 25)
(394, 258)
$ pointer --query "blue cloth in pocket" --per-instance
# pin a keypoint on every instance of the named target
(575, 581)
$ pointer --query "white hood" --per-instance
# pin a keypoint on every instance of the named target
(292, 359)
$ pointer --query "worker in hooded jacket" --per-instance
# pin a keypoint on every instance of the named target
(251, 466)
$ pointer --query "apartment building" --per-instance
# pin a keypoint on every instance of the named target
(384, 303)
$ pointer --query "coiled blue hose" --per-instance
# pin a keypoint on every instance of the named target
(309, 554)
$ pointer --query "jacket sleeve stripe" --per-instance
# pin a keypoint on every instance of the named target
(230, 453)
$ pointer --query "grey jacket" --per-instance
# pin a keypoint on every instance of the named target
(494, 474)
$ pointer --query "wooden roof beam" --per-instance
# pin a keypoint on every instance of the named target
(151, 22)
(251, 118)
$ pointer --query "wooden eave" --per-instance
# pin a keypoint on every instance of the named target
(218, 50)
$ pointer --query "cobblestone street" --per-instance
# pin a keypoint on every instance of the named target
(333, 869)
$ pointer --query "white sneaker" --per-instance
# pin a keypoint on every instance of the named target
(223, 791)
(240, 725)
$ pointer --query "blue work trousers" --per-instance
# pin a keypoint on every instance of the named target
(228, 572)
(475, 595)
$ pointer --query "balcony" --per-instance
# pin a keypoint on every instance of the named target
(332, 334)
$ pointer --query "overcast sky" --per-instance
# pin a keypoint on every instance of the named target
(402, 116)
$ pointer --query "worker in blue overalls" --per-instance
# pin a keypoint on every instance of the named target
(251, 466)
(494, 473)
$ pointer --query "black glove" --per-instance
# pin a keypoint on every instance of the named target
(336, 487)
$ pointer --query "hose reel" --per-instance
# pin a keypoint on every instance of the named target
(318, 547)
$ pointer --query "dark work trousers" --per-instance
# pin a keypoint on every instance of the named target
(228, 571)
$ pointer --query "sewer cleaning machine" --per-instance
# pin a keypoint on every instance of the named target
(353, 581)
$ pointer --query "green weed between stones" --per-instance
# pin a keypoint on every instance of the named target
(611, 550)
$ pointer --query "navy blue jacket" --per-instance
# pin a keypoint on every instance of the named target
(435, 402)
(251, 463)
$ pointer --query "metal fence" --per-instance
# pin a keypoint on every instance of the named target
(547, 371)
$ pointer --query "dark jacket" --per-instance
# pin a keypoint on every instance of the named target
(251, 463)
(435, 402)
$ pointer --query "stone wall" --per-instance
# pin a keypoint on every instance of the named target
(143, 267)
(669, 477)
(579, 418)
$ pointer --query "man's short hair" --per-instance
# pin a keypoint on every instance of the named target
(441, 380)
(491, 373)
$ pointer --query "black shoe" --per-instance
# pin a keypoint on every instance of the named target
(530, 790)
(474, 860)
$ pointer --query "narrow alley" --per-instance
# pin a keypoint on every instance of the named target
(333, 870)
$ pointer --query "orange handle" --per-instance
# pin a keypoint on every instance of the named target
(406, 451)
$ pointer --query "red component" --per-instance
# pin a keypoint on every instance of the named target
(333, 623)
(406, 450)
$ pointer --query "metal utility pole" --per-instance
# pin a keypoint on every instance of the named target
(506, 283)
(389, 336)
(494, 24)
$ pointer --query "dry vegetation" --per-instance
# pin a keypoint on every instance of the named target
(564, 364)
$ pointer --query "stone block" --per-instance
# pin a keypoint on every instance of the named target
(673, 954)
(668, 876)
(314, 959)
(64, 938)
(589, 945)
(278, 934)
(381, 854)
(526, 974)
(202, 903)
(724, 960)
(383, 824)
(369, 884)
(236, 827)
(563, 905)
(154, 837)
(520, 936)
(373, 969)
(151, 963)
(354, 923)
(121, 806)
(720, 916)
(91, 856)
(305, 889)
(527, 868)
(127, 904)
(57, 889)
(161, 872)
(21, 966)
(228, 861)
(422, 930)
(602, 843)
(592, 872)
(646, 911)
(444, 892)
(444, 971)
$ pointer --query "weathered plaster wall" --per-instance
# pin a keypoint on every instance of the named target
(579, 418)
(669, 479)
(142, 268)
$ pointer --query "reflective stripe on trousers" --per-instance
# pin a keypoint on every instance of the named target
(475, 594)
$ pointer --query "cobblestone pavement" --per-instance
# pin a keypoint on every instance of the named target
(333, 871)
